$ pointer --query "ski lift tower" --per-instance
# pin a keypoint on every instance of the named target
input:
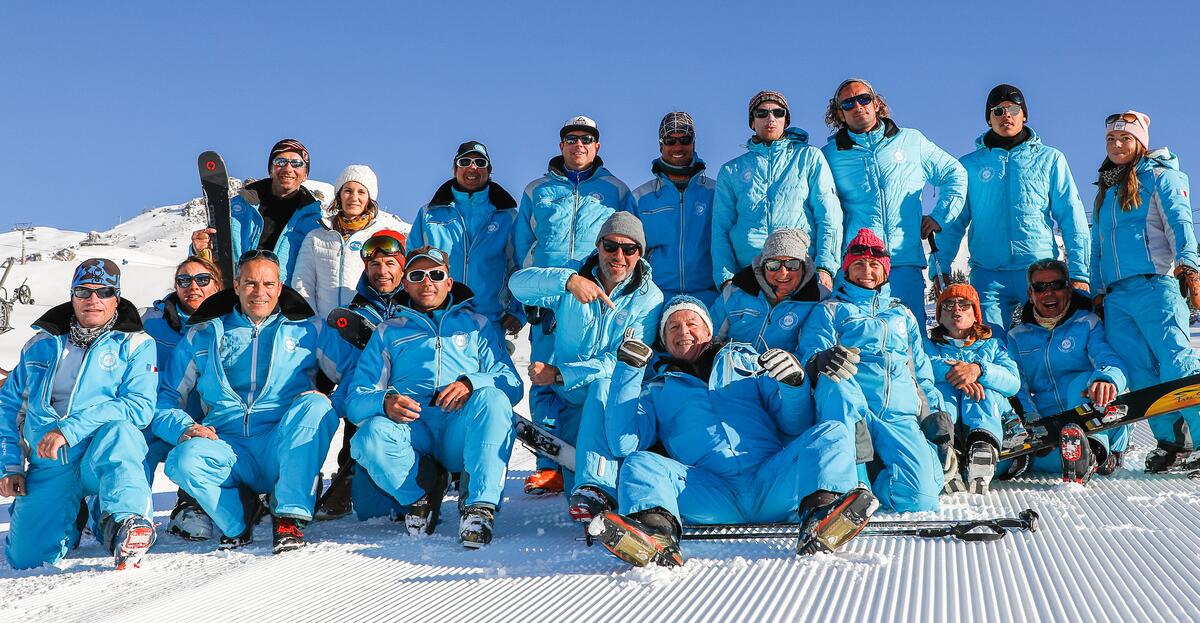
(25, 229)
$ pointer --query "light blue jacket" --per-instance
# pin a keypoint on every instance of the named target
(999, 370)
(247, 225)
(784, 185)
(558, 221)
(588, 335)
(116, 383)
(678, 231)
(742, 313)
(1151, 238)
(475, 230)
(880, 175)
(1014, 201)
(1052, 361)
(166, 323)
(418, 355)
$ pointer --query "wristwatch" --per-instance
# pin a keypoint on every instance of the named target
(558, 379)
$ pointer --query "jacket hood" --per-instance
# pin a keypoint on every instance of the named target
(747, 280)
(57, 320)
(460, 295)
(843, 140)
(496, 194)
(1161, 157)
(558, 167)
(790, 135)
(1079, 303)
(641, 273)
(169, 306)
(291, 305)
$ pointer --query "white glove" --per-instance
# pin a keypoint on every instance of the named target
(782, 366)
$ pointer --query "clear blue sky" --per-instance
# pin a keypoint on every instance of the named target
(107, 104)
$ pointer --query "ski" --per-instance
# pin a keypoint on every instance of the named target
(540, 441)
(214, 182)
(1135, 406)
(352, 327)
(964, 530)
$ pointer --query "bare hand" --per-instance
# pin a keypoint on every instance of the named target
(196, 430)
(585, 291)
(12, 486)
(824, 279)
(511, 324)
(401, 408)
(1101, 393)
(974, 391)
(454, 396)
(929, 226)
(542, 373)
(48, 447)
(1082, 286)
(963, 373)
(202, 239)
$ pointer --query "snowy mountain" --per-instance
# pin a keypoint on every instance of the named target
(1123, 549)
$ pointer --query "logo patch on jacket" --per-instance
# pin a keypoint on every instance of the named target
(356, 245)
(459, 339)
(289, 344)
(108, 361)
(1067, 345)
(700, 208)
(747, 175)
(899, 155)
(986, 174)
(596, 197)
(621, 317)
(788, 320)
(493, 227)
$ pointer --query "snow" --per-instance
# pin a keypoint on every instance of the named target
(1120, 549)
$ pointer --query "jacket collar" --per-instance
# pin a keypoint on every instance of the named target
(170, 311)
(459, 296)
(57, 320)
(1078, 303)
(499, 197)
(557, 168)
(591, 270)
(701, 368)
(844, 142)
(291, 305)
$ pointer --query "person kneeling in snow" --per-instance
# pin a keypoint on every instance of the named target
(863, 352)
(976, 377)
(741, 451)
(73, 408)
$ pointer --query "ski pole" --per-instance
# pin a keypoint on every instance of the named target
(967, 530)
(940, 280)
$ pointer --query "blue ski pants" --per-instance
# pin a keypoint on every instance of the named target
(1000, 292)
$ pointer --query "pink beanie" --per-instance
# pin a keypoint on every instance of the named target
(875, 250)
(1131, 121)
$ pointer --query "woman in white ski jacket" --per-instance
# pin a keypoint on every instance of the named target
(328, 266)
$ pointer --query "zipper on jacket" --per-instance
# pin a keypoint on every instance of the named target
(249, 402)
(62, 452)
(682, 289)
(887, 357)
(574, 217)
(467, 242)
(1053, 385)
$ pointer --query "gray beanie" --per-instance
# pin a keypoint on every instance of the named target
(624, 224)
(784, 243)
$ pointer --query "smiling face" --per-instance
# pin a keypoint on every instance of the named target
(1051, 302)
(686, 334)
(866, 273)
(287, 179)
(354, 199)
(769, 128)
(94, 311)
(426, 294)
(677, 155)
(784, 281)
(615, 265)
(1007, 125)
(258, 288)
(1122, 147)
(578, 157)
(472, 177)
(862, 117)
(384, 273)
(194, 294)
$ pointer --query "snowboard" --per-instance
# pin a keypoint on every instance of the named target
(214, 181)
(540, 441)
(1128, 408)
(352, 327)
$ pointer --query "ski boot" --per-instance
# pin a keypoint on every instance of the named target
(588, 502)
(1114, 462)
(544, 482)
(129, 540)
(1015, 432)
(188, 521)
(1165, 461)
(981, 466)
(1078, 460)
(253, 510)
(422, 516)
(828, 521)
(336, 501)
(286, 534)
(645, 537)
(475, 526)
(950, 472)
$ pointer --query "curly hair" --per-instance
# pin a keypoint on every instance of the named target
(831, 112)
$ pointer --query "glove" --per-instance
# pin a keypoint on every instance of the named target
(634, 352)
(1189, 285)
(837, 363)
(782, 366)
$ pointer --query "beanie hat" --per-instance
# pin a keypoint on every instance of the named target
(676, 122)
(681, 302)
(97, 271)
(785, 243)
(1004, 93)
(579, 123)
(1131, 121)
(867, 238)
(362, 174)
(769, 96)
(961, 291)
(289, 144)
(624, 224)
(371, 244)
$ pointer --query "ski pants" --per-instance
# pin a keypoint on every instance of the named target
(107, 465)
(905, 472)
(975, 417)
(477, 439)
(541, 397)
(284, 462)
(820, 459)
(1000, 292)
(908, 285)
(156, 452)
(583, 427)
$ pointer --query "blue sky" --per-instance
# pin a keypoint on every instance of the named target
(106, 105)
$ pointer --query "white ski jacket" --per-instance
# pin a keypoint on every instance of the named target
(328, 266)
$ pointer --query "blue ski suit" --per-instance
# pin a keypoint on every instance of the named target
(585, 351)
(166, 322)
(743, 313)
(782, 185)
(1145, 317)
(475, 230)
(887, 400)
(1058, 364)
(418, 354)
(745, 451)
(112, 398)
(247, 225)
(257, 383)
(1015, 199)
(678, 231)
(880, 175)
(1000, 381)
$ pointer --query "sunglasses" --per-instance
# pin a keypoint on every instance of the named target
(1127, 117)
(775, 264)
(185, 281)
(681, 140)
(466, 161)
(1011, 110)
(435, 275)
(81, 292)
(384, 245)
(1044, 286)
(763, 113)
(586, 139)
(862, 249)
(628, 248)
(255, 254)
(862, 99)
(953, 304)
(296, 163)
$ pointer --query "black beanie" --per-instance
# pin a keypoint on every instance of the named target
(1004, 92)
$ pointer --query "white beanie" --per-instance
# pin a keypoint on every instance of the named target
(362, 174)
(682, 302)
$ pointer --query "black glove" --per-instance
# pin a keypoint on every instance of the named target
(838, 363)
(634, 352)
(782, 366)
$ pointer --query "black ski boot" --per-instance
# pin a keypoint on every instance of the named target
(588, 502)
(828, 521)
(1165, 460)
(475, 526)
(640, 539)
(286, 534)
(253, 510)
(188, 521)
(335, 502)
(1078, 460)
(981, 466)
(422, 516)
(1114, 462)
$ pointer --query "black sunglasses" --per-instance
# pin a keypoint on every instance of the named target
(862, 99)
(763, 113)
(82, 292)
(1043, 286)
(775, 264)
(586, 139)
(862, 249)
(254, 254)
(1012, 109)
(628, 248)
(682, 140)
(201, 279)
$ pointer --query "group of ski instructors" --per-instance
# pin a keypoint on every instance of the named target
(746, 349)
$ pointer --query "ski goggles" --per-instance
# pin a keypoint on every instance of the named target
(628, 248)
(1012, 110)
(255, 254)
(84, 292)
(862, 99)
(279, 163)
(862, 249)
(435, 275)
(466, 161)
(382, 245)
(763, 113)
(1044, 286)
(586, 139)
(773, 265)
(185, 280)
(953, 304)
(670, 141)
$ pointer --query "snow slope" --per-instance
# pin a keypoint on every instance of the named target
(1121, 549)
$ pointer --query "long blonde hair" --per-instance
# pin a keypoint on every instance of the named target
(1129, 189)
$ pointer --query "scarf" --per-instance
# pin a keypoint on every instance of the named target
(1111, 177)
(348, 225)
(1051, 322)
(83, 336)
